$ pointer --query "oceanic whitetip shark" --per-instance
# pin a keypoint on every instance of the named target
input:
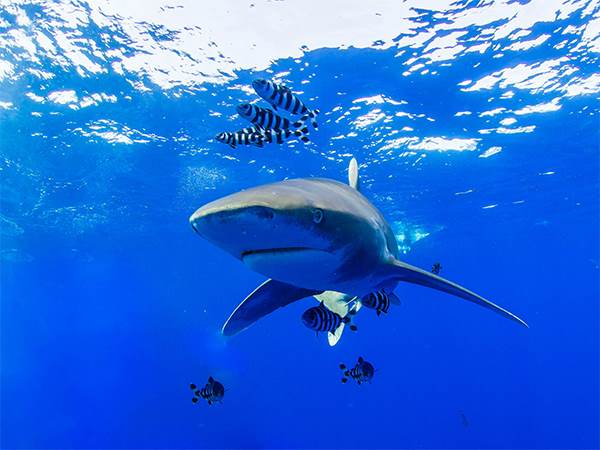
(312, 235)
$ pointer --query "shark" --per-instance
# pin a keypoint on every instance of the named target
(312, 237)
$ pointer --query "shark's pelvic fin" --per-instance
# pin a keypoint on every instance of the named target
(337, 303)
(263, 301)
(405, 272)
(353, 179)
(333, 338)
(340, 304)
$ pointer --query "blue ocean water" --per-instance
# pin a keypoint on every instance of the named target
(475, 124)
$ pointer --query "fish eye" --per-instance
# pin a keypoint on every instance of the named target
(317, 215)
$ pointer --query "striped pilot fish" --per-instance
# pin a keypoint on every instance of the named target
(362, 372)
(212, 392)
(282, 97)
(380, 301)
(280, 136)
(265, 118)
(246, 136)
(321, 318)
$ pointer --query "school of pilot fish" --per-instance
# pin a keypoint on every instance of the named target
(312, 238)
(268, 127)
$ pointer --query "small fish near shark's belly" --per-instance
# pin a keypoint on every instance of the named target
(299, 266)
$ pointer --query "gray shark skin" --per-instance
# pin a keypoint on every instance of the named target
(308, 236)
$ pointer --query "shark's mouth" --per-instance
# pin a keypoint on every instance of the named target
(271, 251)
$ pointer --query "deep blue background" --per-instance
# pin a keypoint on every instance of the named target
(111, 305)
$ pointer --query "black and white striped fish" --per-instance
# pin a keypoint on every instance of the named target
(265, 118)
(362, 372)
(319, 318)
(246, 136)
(280, 136)
(212, 392)
(380, 301)
(282, 97)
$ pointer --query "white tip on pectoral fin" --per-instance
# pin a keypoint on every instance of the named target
(333, 338)
(353, 180)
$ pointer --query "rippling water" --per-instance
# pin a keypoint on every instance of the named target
(475, 124)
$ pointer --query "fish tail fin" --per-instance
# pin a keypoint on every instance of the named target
(394, 299)
(302, 132)
(301, 122)
(343, 366)
(348, 321)
(313, 118)
(334, 337)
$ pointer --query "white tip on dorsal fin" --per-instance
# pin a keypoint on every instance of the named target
(353, 180)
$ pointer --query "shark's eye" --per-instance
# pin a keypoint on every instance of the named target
(317, 215)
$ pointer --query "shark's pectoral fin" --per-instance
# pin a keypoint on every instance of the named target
(405, 272)
(263, 301)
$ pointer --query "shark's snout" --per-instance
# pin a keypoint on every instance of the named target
(277, 230)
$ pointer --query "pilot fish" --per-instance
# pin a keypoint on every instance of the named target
(362, 372)
(319, 318)
(282, 97)
(280, 136)
(380, 301)
(265, 118)
(212, 392)
(246, 136)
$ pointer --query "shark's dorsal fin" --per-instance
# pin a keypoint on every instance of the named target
(265, 299)
(353, 180)
(400, 271)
